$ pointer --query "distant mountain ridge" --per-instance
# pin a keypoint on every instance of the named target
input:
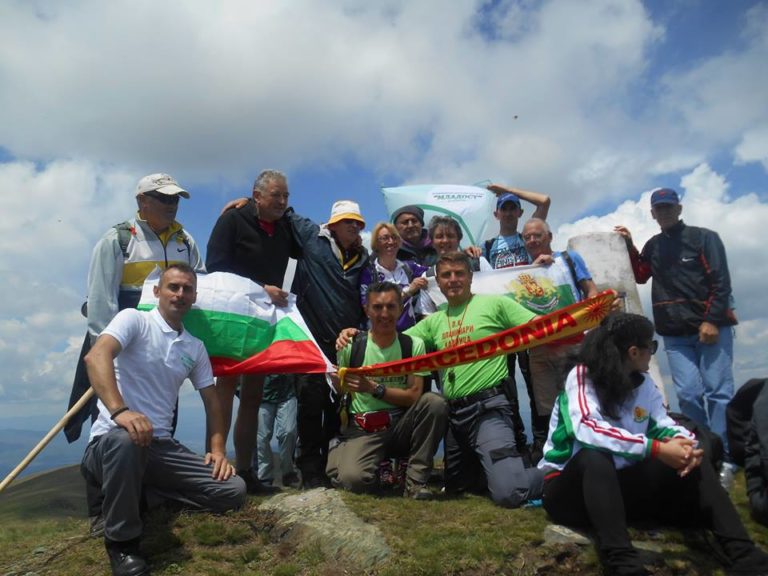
(16, 444)
(50, 494)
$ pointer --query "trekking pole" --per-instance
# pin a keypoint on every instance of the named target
(46, 439)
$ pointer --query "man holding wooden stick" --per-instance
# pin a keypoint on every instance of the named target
(136, 367)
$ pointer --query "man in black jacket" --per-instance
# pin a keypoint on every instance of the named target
(691, 295)
(254, 241)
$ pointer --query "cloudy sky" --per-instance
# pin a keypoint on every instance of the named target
(594, 102)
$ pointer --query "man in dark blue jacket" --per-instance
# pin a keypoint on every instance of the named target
(691, 295)
(326, 285)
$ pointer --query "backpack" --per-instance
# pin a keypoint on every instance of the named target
(738, 416)
(487, 248)
(125, 231)
(360, 341)
(356, 358)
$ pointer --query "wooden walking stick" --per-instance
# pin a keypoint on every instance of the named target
(46, 439)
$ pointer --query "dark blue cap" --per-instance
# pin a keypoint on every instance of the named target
(507, 197)
(664, 196)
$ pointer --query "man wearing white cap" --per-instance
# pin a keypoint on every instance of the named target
(121, 261)
(327, 288)
(117, 274)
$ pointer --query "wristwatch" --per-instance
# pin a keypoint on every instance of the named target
(379, 391)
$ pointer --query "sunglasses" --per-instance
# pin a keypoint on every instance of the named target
(163, 198)
(653, 346)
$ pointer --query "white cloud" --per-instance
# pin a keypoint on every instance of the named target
(305, 84)
(53, 217)
(521, 92)
(721, 100)
(754, 146)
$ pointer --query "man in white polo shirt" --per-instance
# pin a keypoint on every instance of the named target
(136, 367)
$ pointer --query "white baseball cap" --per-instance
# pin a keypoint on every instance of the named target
(161, 183)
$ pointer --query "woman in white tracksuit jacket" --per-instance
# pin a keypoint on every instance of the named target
(613, 454)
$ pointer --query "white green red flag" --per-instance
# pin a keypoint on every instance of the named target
(243, 332)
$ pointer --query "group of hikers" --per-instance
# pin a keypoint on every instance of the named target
(604, 450)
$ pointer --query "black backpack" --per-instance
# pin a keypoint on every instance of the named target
(356, 358)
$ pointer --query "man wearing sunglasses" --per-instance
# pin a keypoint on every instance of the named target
(120, 262)
(117, 274)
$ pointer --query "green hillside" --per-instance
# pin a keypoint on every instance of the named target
(44, 533)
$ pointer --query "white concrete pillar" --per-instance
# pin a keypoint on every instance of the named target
(606, 256)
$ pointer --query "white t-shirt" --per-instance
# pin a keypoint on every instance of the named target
(151, 367)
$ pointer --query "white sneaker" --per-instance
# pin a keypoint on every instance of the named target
(727, 472)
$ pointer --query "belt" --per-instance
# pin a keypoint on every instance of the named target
(464, 401)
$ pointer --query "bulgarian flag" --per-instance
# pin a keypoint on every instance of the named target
(539, 288)
(243, 332)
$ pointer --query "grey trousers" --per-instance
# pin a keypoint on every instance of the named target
(354, 462)
(480, 451)
(166, 470)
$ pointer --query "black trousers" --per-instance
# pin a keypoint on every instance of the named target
(317, 423)
(590, 492)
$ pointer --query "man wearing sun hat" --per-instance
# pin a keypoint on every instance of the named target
(120, 262)
(326, 285)
(692, 310)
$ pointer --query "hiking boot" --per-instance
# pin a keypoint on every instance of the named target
(402, 469)
(387, 478)
(622, 562)
(124, 559)
(96, 526)
(254, 486)
(754, 563)
(312, 481)
(727, 473)
(292, 480)
(416, 491)
(536, 451)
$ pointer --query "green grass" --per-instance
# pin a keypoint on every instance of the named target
(464, 537)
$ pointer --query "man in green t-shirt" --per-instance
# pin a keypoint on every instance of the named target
(388, 417)
(480, 449)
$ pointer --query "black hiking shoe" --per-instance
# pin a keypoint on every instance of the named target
(254, 486)
(416, 491)
(124, 559)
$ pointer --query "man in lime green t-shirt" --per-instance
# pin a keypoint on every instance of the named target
(388, 416)
(480, 449)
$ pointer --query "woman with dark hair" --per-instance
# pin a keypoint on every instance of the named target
(614, 454)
